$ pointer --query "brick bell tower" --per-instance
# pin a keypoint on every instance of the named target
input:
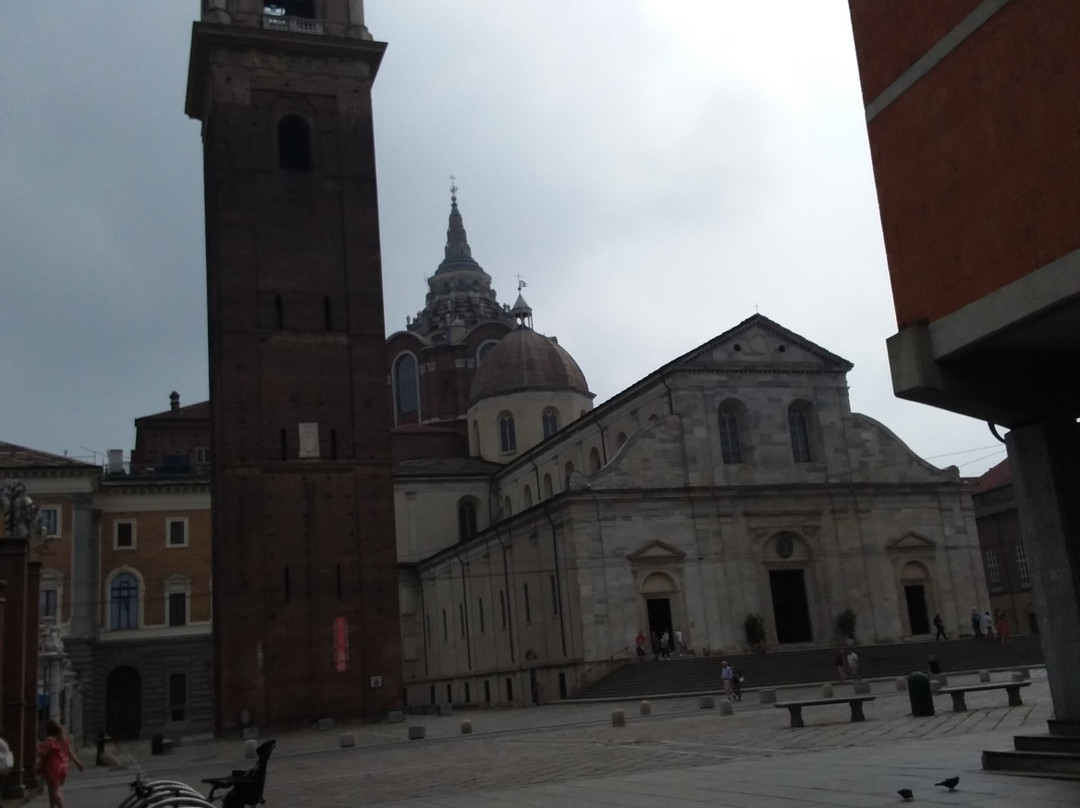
(306, 619)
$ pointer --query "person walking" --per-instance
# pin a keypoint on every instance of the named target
(736, 684)
(939, 624)
(640, 641)
(988, 625)
(1003, 626)
(726, 676)
(665, 645)
(839, 662)
(853, 665)
(976, 623)
(680, 643)
(52, 761)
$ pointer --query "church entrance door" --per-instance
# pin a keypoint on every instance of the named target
(789, 606)
(659, 615)
(918, 616)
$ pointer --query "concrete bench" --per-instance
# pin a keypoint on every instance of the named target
(795, 707)
(957, 693)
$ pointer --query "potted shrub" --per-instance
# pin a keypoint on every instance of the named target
(845, 625)
(755, 633)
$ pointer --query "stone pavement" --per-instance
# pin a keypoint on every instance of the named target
(570, 755)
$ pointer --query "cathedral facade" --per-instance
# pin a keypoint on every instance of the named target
(734, 481)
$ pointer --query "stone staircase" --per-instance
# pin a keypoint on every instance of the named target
(1056, 754)
(636, 680)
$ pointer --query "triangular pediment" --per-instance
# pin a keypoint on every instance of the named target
(760, 343)
(912, 541)
(656, 551)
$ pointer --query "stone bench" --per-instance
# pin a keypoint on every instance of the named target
(959, 705)
(795, 707)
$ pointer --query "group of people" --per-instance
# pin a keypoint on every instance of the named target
(663, 644)
(731, 680)
(53, 755)
(984, 625)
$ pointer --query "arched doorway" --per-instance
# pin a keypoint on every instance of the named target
(123, 704)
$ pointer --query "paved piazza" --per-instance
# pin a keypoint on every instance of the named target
(570, 755)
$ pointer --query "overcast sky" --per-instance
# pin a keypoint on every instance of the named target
(655, 170)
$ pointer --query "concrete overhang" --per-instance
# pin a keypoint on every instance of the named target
(1011, 357)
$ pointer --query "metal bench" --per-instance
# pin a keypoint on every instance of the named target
(957, 693)
(795, 707)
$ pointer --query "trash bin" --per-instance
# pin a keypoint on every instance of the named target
(920, 694)
(102, 740)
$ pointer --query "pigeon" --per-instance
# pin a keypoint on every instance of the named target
(906, 794)
(949, 783)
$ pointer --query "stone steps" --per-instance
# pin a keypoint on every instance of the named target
(782, 668)
(1047, 743)
(1047, 764)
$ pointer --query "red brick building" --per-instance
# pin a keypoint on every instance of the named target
(972, 119)
(305, 576)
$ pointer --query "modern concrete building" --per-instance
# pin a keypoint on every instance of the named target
(972, 119)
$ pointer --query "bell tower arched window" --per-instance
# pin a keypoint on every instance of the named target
(730, 420)
(294, 144)
(406, 387)
(466, 511)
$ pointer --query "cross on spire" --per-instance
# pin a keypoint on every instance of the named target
(453, 188)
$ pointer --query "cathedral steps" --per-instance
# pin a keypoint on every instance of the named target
(787, 668)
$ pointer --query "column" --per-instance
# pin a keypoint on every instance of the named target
(1046, 478)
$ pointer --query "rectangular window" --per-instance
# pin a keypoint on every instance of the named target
(449, 694)
(509, 689)
(800, 436)
(176, 534)
(554, 597)
(202, 455)
(502, 607)
(528, 608)
(177, 696)
(993, 572)
(177, 609)
(480, 611)
(468, 695)
(124, 535)
(487, 692)
(1022, 566)
(48, 603)
(49, 518)
(445, 632)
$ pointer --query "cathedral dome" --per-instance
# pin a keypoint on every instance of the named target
(524, 360)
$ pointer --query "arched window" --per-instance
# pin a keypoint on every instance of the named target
(800, 414)
(594, 459)
(730, 420)
(405, 385)
(506, 432)
(526, 495)
(484, 350)
(466, 514)
(566, 477)
(294, 144)
(551, 421)
(549, 492)
(124, 602)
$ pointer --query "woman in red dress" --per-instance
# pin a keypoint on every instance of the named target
(52, 762)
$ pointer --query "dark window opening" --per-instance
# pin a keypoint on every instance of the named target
(507, 438)
(177, 696)
(562, 685)
(509, 689)
(294, 8)
(279, 313)
(466, 520)
(432, 693)
(333, 444)
(449, 694)
(125, 602)
(177, 609)
(294, 144)
(125, 534)
(48, 603)
(487, 692)
(468, 695)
